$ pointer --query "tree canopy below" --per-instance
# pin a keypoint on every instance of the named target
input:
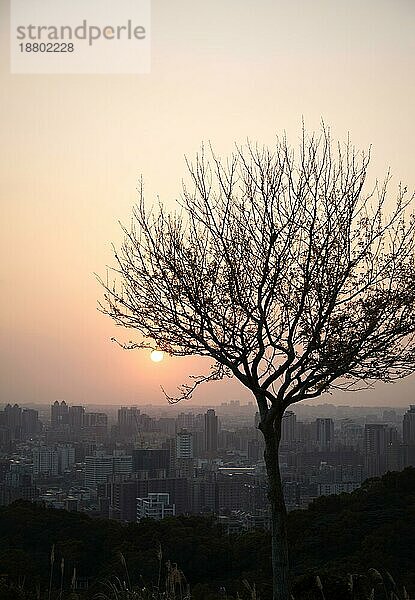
(349, 533)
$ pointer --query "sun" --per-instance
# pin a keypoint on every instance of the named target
(157, 356)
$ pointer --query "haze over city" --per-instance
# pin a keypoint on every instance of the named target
(73, 149)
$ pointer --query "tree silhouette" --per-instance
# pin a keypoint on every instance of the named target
(283, 268)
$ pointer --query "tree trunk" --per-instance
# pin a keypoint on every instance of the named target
(280, 569)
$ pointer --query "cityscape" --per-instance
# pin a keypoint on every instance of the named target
(208, 300)
(129, 463)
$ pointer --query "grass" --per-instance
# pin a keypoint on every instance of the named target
(171, 584)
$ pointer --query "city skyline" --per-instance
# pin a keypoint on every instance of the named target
(68, 457)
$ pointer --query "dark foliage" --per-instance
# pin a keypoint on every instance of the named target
(372, 528)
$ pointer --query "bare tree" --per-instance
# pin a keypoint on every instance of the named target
(288, 273)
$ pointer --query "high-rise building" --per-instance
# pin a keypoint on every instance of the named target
(123, 463)
(255, 449)
(30, 422)
(131, 422)
(95, 419)
(185, 421)
(408, 432)
(13, 420)
(19, 474)
(66, 454)
(198, 441)
(375, 446)
(205, 493)
(389, 416)
(59, 414)
(211, 431)
(375, 438)
(52, 461)
(76, 418)
(154, 461)
(166, 425)
(351, 434)
(408, 435)
(18, 424)
(18, 484)
(394, 451)
(184, 444)
(100, 467)
(289, 427)
(95, 426)
(45, 462)
(184, 463)
(325, 433)
(128, 420)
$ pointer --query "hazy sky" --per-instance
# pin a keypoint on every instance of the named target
(72, 148)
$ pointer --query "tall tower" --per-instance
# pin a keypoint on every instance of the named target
(185, 421)
(289, 427)
(211, 431)
(184, 444)
(59, 414)
(76, 417)
(13, 417)
(409, 425)
(409, 436)
(375, 448)
(128, 420)
(325, 433)
(184, 463)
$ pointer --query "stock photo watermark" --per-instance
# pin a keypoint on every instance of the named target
(80, 36)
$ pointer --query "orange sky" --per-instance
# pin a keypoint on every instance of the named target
(72, 148)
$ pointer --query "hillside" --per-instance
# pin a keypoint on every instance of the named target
(372, 527)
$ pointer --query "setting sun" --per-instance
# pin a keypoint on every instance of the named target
(157, 356)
